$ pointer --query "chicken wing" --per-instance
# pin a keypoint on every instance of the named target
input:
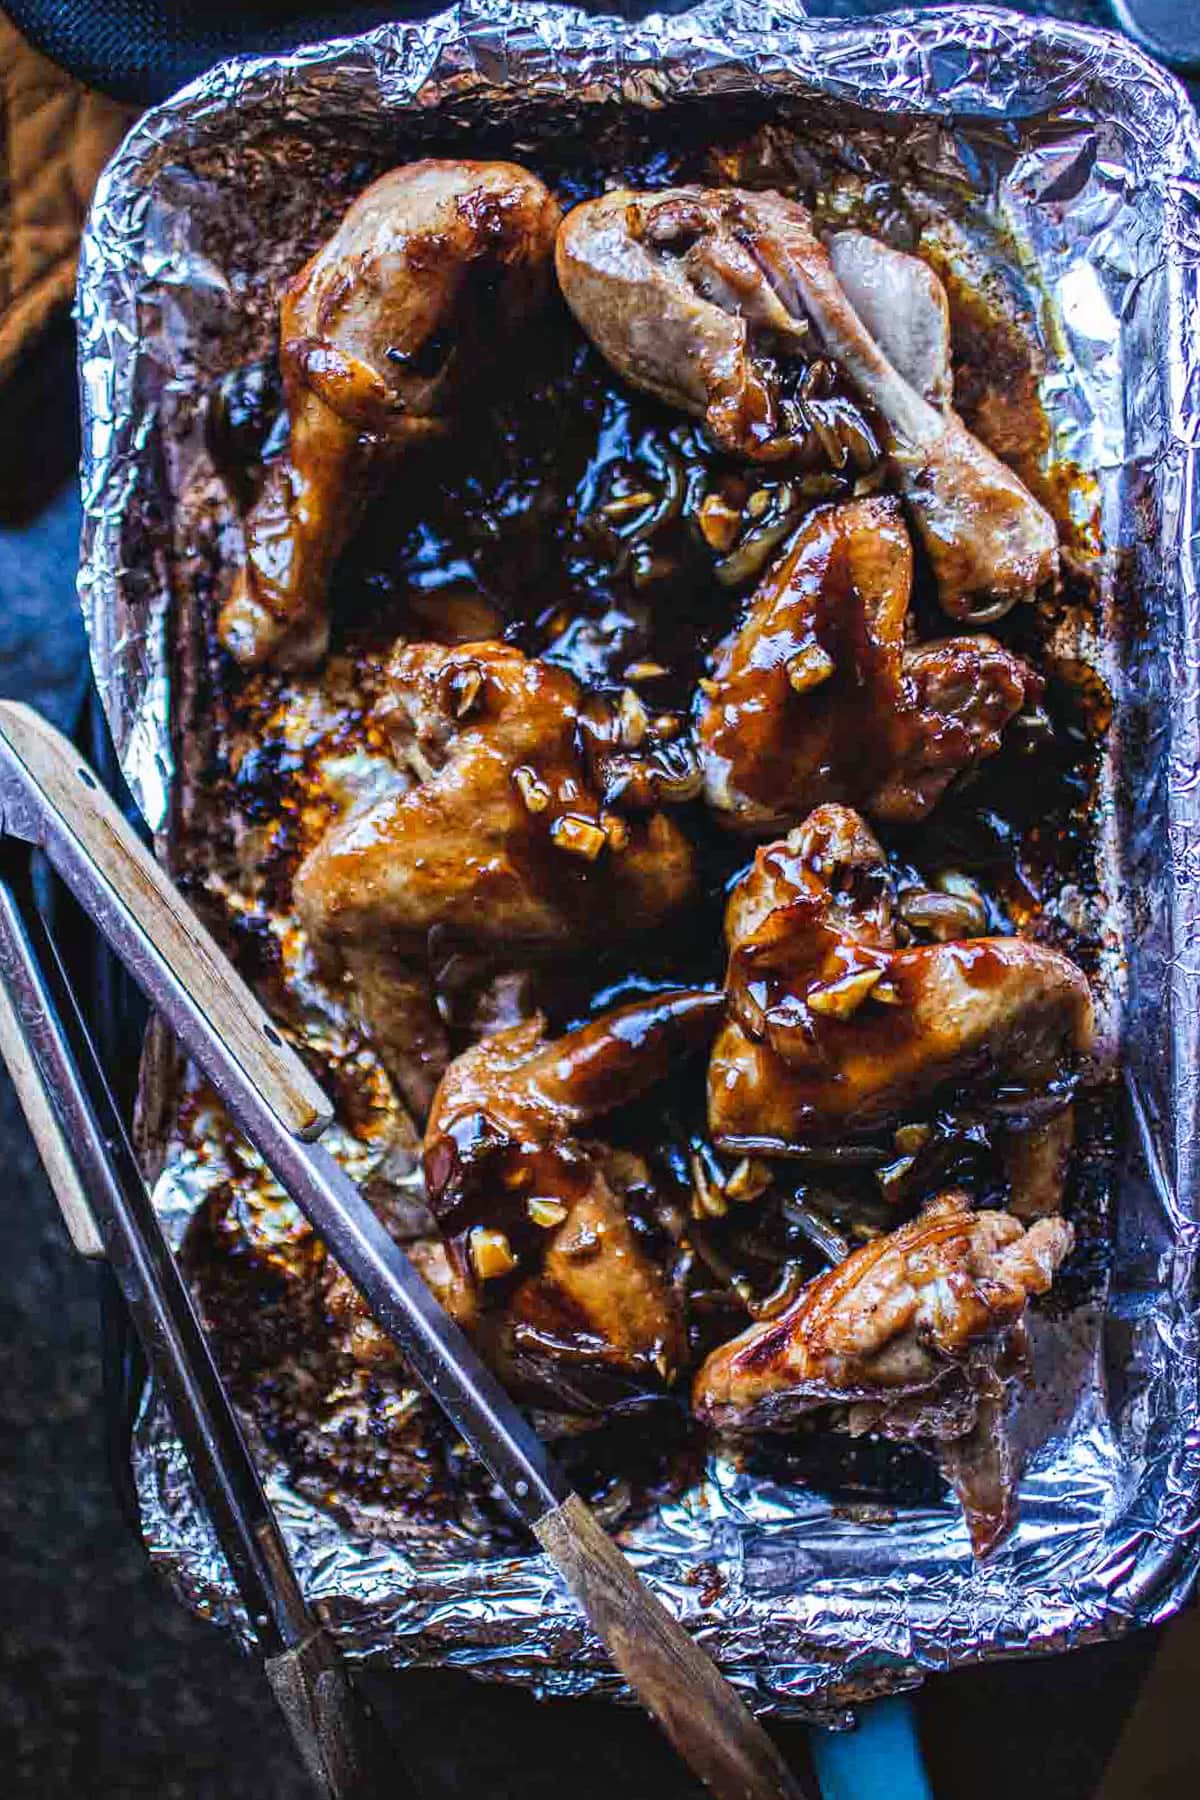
(816, 697)
(493, 835)
(585, 1313)
(913, 1331)
(833, 1030)
(382, 333)
(710, 297)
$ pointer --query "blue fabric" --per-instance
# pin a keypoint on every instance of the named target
(879, 1760)
(43, 649)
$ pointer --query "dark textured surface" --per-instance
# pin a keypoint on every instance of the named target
(107, 1688)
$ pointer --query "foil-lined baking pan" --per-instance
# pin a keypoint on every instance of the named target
(1076, 161)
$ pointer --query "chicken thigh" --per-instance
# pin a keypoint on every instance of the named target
(816, 697)
(382, 333)
(494, 836)
(584, 1315)
(918, 1332)
(834, 1031)
(709, 298)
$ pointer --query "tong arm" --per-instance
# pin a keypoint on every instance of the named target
(109, 1212)
(44, 1122)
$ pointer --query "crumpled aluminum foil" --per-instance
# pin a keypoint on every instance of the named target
(1087, 154)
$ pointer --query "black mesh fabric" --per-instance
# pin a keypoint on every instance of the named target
(142, 50)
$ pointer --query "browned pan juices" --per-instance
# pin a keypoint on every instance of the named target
(581, 522)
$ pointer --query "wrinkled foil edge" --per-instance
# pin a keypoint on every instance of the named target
(816, 1611)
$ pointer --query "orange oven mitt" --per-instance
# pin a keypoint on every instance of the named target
(55, 137)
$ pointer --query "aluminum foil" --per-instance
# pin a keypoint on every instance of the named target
(1085, 154)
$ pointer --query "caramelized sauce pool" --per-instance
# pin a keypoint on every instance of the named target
(588, 525)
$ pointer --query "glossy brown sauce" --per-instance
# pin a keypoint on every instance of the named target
(567, 518)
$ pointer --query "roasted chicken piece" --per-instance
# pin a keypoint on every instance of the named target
(917, 1332)
(382, 334)
(584, 1316)
(815, 696)
(709, 298)
(493, 837)
(670, 289)
(833, 1030)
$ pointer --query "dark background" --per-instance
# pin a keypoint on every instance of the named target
(107, 1687)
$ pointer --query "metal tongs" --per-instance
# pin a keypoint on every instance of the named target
(52, 802)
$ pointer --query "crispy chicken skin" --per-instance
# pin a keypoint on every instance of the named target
(833, 1030)
(913, 1331)
(586, 1312)
(706, 296)
(494, 835)
(382, 334)
(887, 1323)
(816, 697)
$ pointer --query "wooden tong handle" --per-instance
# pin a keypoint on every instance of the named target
(47, 1129)
(709, 1725)
(52, 799)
